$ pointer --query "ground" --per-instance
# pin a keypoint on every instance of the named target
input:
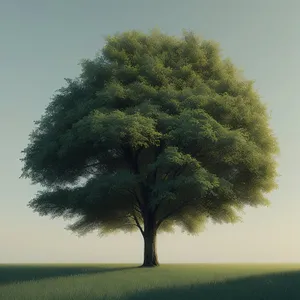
(128, 282)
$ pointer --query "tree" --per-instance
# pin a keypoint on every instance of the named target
(157, 131)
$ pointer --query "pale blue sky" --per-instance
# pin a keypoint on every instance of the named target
(41, 42)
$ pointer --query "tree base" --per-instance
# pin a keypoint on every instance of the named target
(149, 265)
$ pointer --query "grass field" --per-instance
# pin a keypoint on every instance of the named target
(194, 281)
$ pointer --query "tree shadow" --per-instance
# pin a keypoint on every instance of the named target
(258, 287)
(21, 273)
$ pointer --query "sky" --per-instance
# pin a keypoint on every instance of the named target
(42, 42)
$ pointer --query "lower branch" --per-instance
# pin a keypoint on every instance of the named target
(172, 212)
(137, 222)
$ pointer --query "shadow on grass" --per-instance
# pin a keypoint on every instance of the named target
(21, 273)
(278, 286)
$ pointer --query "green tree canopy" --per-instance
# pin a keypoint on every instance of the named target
(157, 131)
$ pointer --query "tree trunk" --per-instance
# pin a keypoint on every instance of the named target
(150, 254)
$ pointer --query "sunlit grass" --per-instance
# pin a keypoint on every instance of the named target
(189, 281)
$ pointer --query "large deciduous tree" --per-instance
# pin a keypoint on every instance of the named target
(157, 131)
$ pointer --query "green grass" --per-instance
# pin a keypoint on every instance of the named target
(127, 282)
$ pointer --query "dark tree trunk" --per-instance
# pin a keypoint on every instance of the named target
(150, 254)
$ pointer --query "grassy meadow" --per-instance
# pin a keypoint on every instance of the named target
(188, 281)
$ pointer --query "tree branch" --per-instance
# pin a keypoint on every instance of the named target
(137, 222)
(158, 151)
(135, 196)
(177, 209)
(177, 172)
(156, 207)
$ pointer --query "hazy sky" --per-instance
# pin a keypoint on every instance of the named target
(41, 42)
